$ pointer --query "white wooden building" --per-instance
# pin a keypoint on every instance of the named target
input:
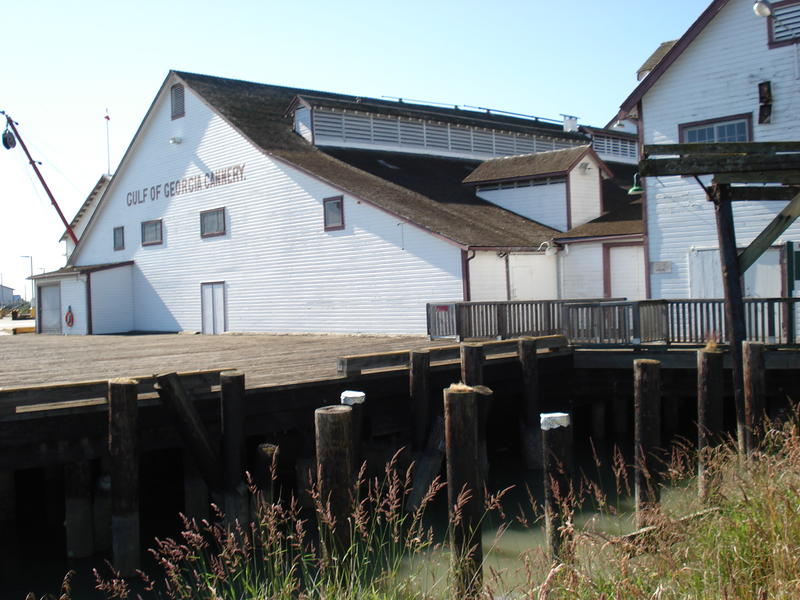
(247, 207)
(733, 76)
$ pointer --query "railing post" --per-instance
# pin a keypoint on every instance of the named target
(636, 317)
(502, 320)
(461, 309)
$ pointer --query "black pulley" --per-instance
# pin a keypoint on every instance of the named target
(9, 141)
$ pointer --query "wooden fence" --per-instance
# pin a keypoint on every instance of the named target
(606, 322)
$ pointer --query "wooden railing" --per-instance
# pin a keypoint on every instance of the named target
(602, 322)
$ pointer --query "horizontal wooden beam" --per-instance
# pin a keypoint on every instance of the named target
(762, 193)
(784, 177)
(721, 148)
(707, 164)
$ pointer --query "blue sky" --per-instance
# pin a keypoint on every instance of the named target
(65, 63)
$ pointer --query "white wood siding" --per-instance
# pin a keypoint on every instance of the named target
(582, 271)
(302, 123)
(585, 193)
(487, 277)
(546, 204)
(716, 76)
(112, 300)
(533, 276)
(627, 273)
(283, 272)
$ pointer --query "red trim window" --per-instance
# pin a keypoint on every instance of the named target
(212, 222)
(151, 233)
(783, 27)
(734, 128)
(333, 211)
(176, 101)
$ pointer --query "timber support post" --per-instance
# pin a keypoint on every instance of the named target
(531, 403)
(709, 412)
(232, 397)
(734, 303)
(754, 391)
(124, 451)
(333, 426)
(472, 356)
(355, 400)
(78, 512)
(464, 489)
(647, 437)
(419, 388)
(557, 458)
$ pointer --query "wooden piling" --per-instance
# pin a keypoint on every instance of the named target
(333, 426)
(647, 437)
(232, 397)
(483, 396)
(191, 429)
(709, 412)
(557, 458)
(78, 511)
(464, 489)
(428, 466)
(355, 400)
(531, 433)
(124, 452)
(754, 391)
(472, 357)
(419, 391)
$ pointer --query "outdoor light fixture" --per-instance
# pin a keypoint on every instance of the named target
(175, 140)
(636, 189)
(762, 8)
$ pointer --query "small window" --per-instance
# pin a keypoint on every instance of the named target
(119, 238)
(334, 213)
(728, 129)
(212, 222)
(151, 233)
(176, 95)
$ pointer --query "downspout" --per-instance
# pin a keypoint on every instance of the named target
(89, 327)
(465, 258)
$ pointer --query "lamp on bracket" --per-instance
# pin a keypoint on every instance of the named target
(762, 8)
(636, 189)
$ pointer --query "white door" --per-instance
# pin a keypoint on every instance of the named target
(533, 277)
(763, 279)
(213, 307)
(49, 308)
(626, 272)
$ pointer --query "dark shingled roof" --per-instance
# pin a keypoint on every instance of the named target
(527, 165)
(623, 213)
(421, 193)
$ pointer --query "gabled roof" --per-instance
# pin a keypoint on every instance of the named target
(258, 112)
(90, 199)
(671, 55)
(531, 166)
(623, 213)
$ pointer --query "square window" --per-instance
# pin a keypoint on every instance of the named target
(176, 98)
(212, 222)
(333, 209)
(151, 233)
(119, 238)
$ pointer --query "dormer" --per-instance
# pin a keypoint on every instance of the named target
(560, 189)
(331, 120)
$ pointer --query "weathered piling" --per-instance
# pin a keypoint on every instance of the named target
(233, 460)
(464, 489)
(647, 437)
(191, 429)
(428, 466)
(333, 425)
(483, 396)
(419, 391)
(557, 459)
(78, 511)
(472, 357)
(754, 391)
(355, 400)
(531, 433)
(709, 412)
(124, 452)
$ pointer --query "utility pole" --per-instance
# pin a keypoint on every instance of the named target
(33, 284)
